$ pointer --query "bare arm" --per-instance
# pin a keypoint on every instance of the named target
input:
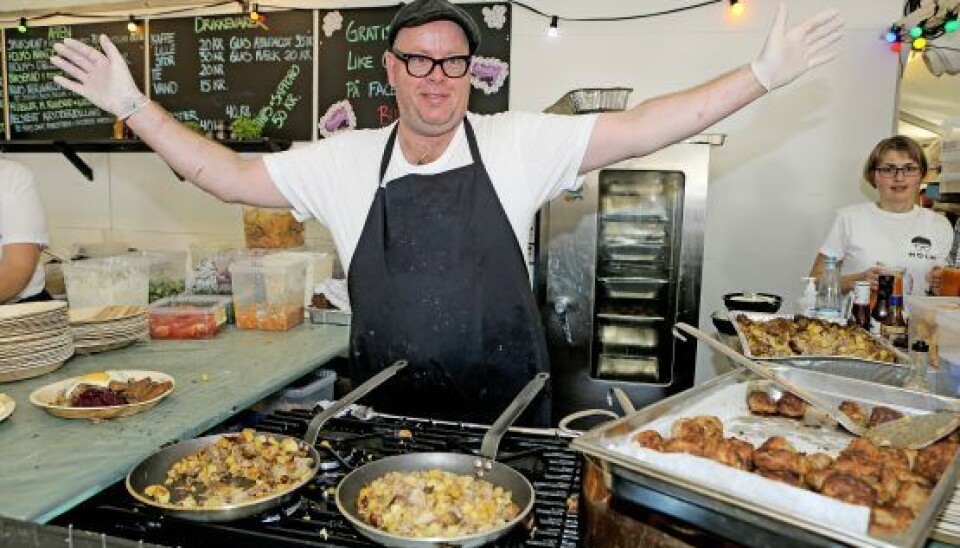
(104, 79)
(210, 165)
(847, 282)
(658, 122)
(17, 265)
(664, 120)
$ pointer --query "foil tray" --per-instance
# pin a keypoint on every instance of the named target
(632, 479)
(761, 316)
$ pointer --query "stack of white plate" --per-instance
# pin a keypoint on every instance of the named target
(102, 328)
(34, 339)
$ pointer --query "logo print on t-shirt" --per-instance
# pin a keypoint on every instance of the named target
(921, 249)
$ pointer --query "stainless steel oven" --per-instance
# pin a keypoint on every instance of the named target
(618, 263)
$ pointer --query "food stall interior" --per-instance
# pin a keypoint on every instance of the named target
(312, 518)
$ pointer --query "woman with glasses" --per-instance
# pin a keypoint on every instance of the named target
(893, 231)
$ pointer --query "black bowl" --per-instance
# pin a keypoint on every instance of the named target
(753, 302)
(723, 323)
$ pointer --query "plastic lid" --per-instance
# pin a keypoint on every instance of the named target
(920, 346)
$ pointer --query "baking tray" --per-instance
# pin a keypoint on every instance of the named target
(629, 477)
(328, 316)
(629, 335)
(632, 287)
(761, 317)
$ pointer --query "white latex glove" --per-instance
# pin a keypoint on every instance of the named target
(789, 53)
(101, 78)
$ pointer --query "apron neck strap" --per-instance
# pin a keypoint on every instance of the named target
(391, 141)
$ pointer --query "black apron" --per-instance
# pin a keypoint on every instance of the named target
(439, 280)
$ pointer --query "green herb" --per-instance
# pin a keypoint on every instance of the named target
(243, 127)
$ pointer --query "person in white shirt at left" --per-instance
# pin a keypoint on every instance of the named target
(23, 235)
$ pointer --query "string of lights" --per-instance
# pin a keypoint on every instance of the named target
(737, 8)
(918, 37)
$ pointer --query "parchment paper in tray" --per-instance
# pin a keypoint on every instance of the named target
(729, 405)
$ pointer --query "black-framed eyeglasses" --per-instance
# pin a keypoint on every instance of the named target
(891, 170)
(419, 66)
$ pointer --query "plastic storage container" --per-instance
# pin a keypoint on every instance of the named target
(935, 320)
(268, 292)
(188, 316)
(106, 281)
(167, 273)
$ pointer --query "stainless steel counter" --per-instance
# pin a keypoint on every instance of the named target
(49, 464)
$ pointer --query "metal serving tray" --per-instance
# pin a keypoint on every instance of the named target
(329, 316)
(762, 317)
(629, 478)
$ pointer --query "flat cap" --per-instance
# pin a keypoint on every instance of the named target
(421, 12)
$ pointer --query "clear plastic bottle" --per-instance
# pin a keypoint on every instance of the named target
(829, 298)
(917, 378)
(807, 303)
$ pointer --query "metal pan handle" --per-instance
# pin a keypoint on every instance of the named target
(491, 440)
(322, 417)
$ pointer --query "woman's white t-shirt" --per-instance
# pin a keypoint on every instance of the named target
(863, 235)
(530, 157)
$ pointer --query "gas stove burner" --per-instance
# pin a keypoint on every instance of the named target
(287, 510)
(312, 518)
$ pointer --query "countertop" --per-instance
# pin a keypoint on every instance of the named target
(49, 464)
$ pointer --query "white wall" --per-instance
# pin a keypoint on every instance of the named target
(789, 160)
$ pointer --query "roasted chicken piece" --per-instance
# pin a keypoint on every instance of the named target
(651, 439)
(791, 406)
(854, 411)
(881, 414)
(912, 496)
(782, 476)
(885, 520)
(848, 488)
(695, 428)
(777, 455)
(760, 403)
(932, 461)
(734, 452)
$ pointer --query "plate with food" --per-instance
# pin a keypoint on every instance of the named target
(7, 405)
(104, 394)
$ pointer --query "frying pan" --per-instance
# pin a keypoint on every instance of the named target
(484, 466)
(153, 469)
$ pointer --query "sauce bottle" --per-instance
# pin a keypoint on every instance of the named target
(894, 328)
(881, 308)
(860, 311)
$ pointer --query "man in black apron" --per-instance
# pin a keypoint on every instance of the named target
(438, 279)
(437, 276)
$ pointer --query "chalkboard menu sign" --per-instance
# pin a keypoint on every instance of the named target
(212, 70)
(3, 117)
(39, 108)
(353, 90)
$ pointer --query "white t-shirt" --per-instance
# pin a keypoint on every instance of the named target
(863, 235)
(530, 158)
(21, 217)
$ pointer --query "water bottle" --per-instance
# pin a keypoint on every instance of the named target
(829, 298)
(807, 303)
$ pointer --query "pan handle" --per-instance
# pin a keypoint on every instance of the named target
(491, 440)
(322, 417)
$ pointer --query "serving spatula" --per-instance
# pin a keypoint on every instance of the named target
(913, 432)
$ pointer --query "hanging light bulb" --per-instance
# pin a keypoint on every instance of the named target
(891, 36)
(254, 14)
(737, 8)
(22, 26)
(916, 32)
(951, 25)
(132, 25)
(919, 43)
(553, 31)
(896, 46)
